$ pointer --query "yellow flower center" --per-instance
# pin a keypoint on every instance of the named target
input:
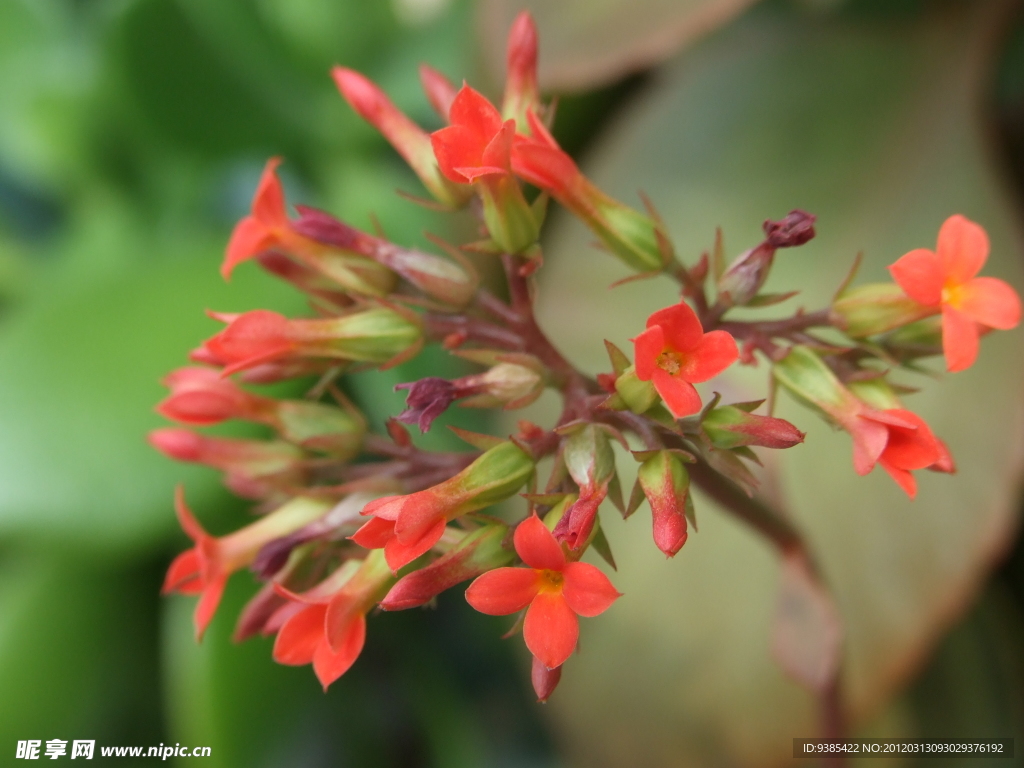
(551, 581)
(670, 362)
(951, 294)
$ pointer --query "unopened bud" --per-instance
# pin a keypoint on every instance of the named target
(876, 308)
(795, 229)
(729, 427)
(590, 461)
(638, 395)
(408, 139)
(544, 680)
(521, 94)
(666, 484)
(747, 274)
(439, 89)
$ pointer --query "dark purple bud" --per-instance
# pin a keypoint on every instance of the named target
(427, 399)
(796, 229)
(544, 680)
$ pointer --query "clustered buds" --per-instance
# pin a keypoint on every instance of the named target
(350, 520)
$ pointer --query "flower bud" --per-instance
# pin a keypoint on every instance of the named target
(627, 233)
(408, 139)
(666, 484)
(376, 335)
(514, 380)
(544, 680)
(638, 395)
(476, 553)
(438, 278)
(252, 468)
(810, 381)
(439, 90)
(521, 94)
(319, 427)
(590, 461)
(728, 426)
(876, 308)
(747, 274)
(427, 399)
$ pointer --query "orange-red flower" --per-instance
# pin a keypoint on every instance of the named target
(204, 569)
(555, 590)
(946, 279)
(330, 630)
(675, 353)
(408, 526)
(899, 441)
(476, 149)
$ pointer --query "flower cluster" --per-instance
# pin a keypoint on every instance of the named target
(350, 520)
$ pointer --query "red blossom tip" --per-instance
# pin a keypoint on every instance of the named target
(795, 229)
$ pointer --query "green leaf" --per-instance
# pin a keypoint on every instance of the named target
(82, 368)
(870, 124)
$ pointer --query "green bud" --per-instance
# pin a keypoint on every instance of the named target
(876, 308)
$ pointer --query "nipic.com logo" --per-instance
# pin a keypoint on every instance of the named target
(35, 749)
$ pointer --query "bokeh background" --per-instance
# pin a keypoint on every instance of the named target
(132, 133)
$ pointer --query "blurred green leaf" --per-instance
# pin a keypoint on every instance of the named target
(77, 658)
(586, 44)
(81, 368)
(869, 123)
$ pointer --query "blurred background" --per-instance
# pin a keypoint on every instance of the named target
(132, 133)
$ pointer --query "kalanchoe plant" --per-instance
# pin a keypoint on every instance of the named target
(353, 520)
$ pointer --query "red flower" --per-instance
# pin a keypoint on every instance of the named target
(408, 526)
(900, 441)
(945, 278)
(674, 353)
(478, 142)
(204, 569)
(555, 590)
(521, 93)
(202, 396)
(330, 630)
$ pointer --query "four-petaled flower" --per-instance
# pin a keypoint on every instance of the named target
(899, 441)
(945, 278)
(674, 353)
(556, 591)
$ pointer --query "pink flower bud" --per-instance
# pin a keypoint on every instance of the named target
(544, 680)
(591, 464)
(521, 94)
(408, 139)
(666, 484)
(202, 396)
(729, 426)
(439, 89)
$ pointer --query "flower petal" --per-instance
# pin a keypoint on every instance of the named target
(683, 330)
(989, 301)
(208, 602)
(963, 248)
(503, 590)
(299, 637)
(959, 339)
(551, 629)
(537, 545)
(903, 478)
(680, 396)
(647, 346)
(420, 513)
(910, 448)
(374, 534)
(587, 591)
(400, 553)
(328, 664)
(184, 575)
(715, 352)
(186, 519)
(268, 203)
(472, 110)
(921, 275)
(456, 147)
(869, 439)
(498, 151)
(249, 239)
